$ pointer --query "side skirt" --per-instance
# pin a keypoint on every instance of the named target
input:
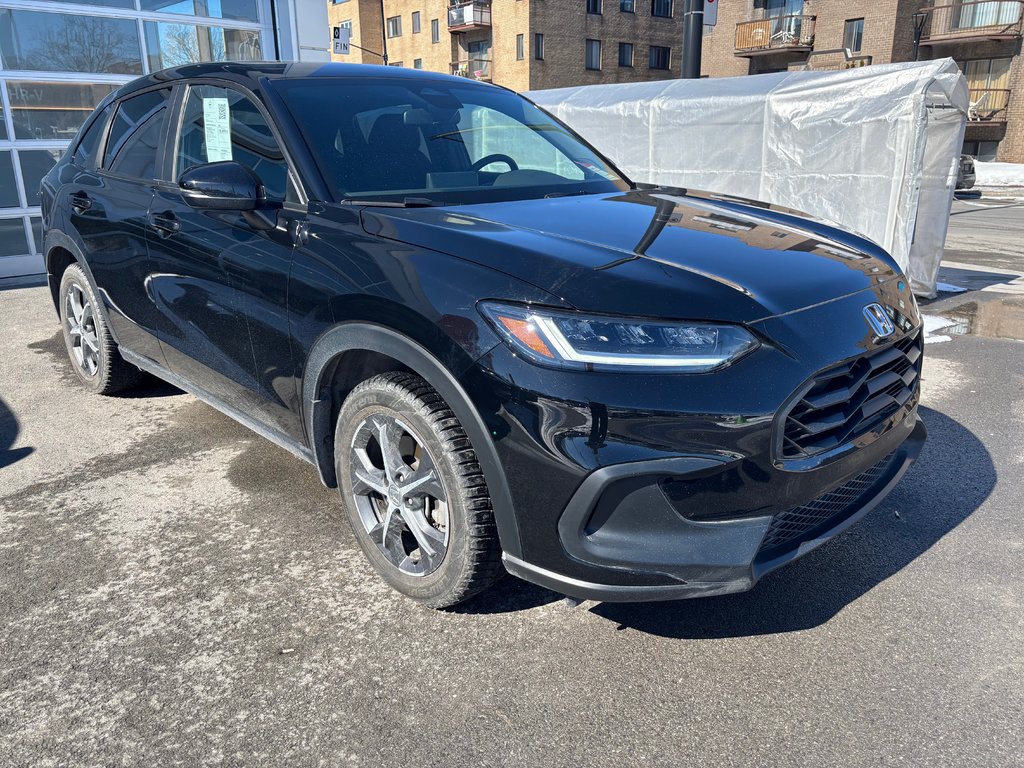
(279, 439)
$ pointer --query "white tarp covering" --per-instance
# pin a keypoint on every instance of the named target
(874, 149)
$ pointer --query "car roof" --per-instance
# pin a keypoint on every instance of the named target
(250, 73)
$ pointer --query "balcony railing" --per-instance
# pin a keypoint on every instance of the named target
(988, 105)
(777, 33)
(981, 20)
(475, 69)
(465, 16)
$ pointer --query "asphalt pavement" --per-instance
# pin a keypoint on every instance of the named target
(174, 590)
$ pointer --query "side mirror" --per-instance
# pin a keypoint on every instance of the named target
(222, 186)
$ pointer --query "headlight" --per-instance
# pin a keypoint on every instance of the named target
(574, 340)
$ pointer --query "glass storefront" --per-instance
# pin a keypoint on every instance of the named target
(58, 60)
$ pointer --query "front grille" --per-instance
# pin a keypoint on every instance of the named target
(795, 525)
(852, 399)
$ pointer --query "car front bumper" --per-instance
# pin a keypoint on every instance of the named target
(621, 521)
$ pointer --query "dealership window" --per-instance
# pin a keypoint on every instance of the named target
(394, 26)
(593, 54)
(237, 10)
(662, 8)
(627, 6)
(538, 46)
(68, 57)
(625, 54)
(660, 57)
(435, 30)
(594, 6)
(520, 47)
(853, 35)
(416, 23)
(63, 42)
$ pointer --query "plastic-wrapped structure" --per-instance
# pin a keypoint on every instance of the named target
(874, 149)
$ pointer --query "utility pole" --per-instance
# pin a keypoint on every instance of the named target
(693, 37)
(383, 33)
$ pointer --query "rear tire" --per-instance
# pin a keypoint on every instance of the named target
(92, 350)
(413, 492)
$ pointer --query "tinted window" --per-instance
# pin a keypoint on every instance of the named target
(384, 138)
(135, 135)
(223, 124)
(86, 152)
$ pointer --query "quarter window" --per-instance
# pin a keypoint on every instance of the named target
(136, 134)
(85, 152)
(223, 124)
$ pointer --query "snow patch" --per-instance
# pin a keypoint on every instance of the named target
(999, 174)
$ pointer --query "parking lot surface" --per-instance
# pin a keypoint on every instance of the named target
(174, 590)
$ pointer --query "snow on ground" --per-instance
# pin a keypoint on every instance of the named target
(999, 174)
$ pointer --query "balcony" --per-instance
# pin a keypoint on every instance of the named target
(474, 69)
(775, 34)
(466, 16)
(964, 22)
(988, 105)
(832, 60)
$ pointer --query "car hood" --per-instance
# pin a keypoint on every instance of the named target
(653, 252)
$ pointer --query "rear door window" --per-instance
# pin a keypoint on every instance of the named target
(88, 148)
(136, 133)
(223, 124)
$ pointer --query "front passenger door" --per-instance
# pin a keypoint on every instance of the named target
(221, 281)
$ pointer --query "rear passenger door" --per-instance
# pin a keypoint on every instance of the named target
(221, 282)
(108, 203)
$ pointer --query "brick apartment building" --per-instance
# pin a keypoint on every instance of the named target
(534, 44)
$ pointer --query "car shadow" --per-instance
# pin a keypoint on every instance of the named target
(9, 430)
(952, 478)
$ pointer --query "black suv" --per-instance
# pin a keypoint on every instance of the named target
(505, 355)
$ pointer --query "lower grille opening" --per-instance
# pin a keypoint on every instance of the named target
(794, 526)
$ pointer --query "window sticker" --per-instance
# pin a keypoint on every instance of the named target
(217, 127)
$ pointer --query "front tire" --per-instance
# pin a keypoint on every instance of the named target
(413, 492)
(91, 349)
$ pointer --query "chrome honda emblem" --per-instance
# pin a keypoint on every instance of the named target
(879, 320)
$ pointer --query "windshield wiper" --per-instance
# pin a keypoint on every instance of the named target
(568, 194)
(408, 202)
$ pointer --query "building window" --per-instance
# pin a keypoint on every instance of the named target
(435, 30)
(988, 81)
(662, 8)
(627, 6)
(417, 63)
(394, 25)
(520, 47)
(853, 35)
(593, 54)
(660, 57)
(625, 54)
(594, 6)
(538, 46)
(985, 151)
(416, 24)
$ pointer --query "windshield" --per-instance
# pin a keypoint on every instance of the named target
(431, 141)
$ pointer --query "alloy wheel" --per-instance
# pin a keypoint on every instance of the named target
(401, 501)
(81, 327)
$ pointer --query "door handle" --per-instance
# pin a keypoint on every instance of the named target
(165, 223)
(80, 203)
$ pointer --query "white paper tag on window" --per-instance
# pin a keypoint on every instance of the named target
(217, 126)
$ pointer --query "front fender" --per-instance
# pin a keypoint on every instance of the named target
(317, 408)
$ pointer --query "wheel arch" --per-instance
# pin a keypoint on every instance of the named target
(350, 353)
(60, 253)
